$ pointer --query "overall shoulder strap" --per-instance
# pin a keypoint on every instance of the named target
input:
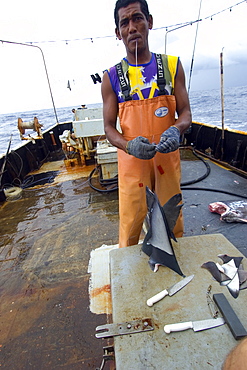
(122, 68)
(161, 81)
(164, 74)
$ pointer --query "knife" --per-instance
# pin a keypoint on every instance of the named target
(195, 325)
(172, 290)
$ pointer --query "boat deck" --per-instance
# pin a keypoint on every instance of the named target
(220, 185)
(47, 236)
(46, 239)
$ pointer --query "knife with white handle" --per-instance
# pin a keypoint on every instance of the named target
(195, 325)
(172, 290)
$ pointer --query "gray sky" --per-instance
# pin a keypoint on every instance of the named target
(84, 24)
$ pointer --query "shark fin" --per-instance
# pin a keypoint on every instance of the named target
(157, 242)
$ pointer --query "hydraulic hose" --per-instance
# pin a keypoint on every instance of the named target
(184, 185)
(112, 184)
(208, 170)
(215, 190)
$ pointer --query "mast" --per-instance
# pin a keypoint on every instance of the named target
(222, 104)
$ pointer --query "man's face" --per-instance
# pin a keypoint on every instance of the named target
(133, 28)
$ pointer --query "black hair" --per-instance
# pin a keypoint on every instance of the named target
(124, 3)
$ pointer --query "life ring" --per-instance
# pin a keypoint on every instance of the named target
(12, 192)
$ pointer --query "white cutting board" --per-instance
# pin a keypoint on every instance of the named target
(133, 282)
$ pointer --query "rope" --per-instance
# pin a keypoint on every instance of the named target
(66, 41)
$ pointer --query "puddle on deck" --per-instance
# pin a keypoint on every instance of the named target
(46, 239)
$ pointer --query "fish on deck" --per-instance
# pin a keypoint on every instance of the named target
(230, 274)
(161, 221)
(230, 211)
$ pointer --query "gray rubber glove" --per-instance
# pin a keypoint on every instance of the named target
(141, 148)
(169, 140)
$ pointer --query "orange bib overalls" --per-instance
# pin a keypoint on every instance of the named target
(161, 174)
(149, 118)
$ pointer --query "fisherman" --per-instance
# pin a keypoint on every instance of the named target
(145, 90)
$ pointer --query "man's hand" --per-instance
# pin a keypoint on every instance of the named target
(141, 148)
(169, 140)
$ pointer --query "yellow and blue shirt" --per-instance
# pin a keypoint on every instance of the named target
(143, 78)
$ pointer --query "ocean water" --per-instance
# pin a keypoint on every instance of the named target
(205, 106)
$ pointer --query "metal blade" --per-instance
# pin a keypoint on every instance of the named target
(207, 324)
(176, 287)
(130, 327)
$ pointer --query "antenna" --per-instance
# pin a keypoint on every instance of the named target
(193, 54)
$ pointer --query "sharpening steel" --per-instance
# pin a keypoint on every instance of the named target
(237, 329)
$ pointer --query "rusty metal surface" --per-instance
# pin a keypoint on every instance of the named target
(133, 282)
(45, 241)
